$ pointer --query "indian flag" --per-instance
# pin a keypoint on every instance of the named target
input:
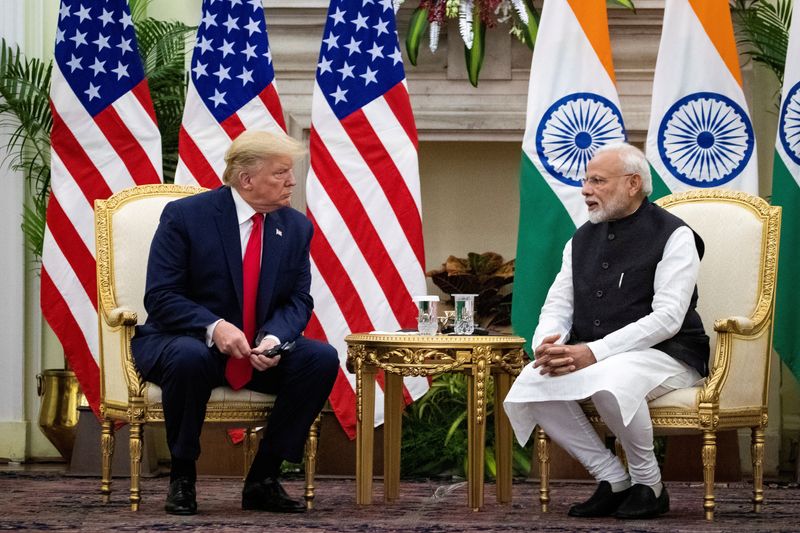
(573, 109)
(700, 133)
(786, 193)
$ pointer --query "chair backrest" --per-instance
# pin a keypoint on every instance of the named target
(124, 227)
(739, 268)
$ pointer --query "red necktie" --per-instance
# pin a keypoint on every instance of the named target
(239, 371)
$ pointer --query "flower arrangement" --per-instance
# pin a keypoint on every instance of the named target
(474, 16)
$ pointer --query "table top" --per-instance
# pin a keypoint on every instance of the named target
(428, 355)
(412, 340)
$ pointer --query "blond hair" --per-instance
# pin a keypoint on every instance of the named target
(252, 148)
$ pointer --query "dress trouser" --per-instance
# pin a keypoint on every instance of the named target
(187, 371)
(567, 425)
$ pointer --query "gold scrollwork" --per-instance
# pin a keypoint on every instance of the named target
(416, 362)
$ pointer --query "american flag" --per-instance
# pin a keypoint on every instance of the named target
(232, 88)
(104, 139)
(363, 191)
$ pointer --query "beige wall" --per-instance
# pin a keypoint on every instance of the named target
(470, 199)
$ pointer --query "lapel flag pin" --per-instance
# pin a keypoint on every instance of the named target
(278, 232)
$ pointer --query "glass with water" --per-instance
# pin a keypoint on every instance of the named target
(426, 319)
(465, 314)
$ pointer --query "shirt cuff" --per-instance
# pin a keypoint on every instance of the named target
(600, 349)
(210, 333)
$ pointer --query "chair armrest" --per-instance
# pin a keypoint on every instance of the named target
(121, 316)
(740, 325)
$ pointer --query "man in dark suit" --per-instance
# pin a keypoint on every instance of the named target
(228, 281)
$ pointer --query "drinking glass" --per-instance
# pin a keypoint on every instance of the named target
(465, 314)
(426, 319)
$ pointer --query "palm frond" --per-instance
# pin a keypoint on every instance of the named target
(762, 28)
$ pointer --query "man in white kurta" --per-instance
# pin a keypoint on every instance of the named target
(618, 326)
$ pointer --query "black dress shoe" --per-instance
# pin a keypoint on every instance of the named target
(604, 502)
(268, 495)
(642, 503)
(181, 498)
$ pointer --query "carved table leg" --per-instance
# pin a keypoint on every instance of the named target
(365, 431)
(476, 430)
(392, 432)
(502, 437)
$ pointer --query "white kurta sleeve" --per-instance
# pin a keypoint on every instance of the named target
(556, 314)
(675, 279)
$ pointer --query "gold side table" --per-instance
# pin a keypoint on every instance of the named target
(417, 355)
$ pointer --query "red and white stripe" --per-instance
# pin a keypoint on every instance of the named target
(203, 141)
(91, 158)
(363, 196)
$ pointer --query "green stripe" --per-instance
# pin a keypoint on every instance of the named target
(787, 307)
(660, 188)
(544, 227)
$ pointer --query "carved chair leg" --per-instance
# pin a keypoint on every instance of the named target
(250, 447)
(136, 463)
(543, 454)
(311, 462)
(709, 465)
(107, 451)
(757, 456)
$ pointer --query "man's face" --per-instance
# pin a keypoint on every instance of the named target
(608, 191)
(268, 186)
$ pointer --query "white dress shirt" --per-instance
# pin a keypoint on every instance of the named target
(244, 215)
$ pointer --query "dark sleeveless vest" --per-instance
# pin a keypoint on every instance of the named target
(613, 270)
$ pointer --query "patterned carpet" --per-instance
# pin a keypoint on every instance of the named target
(53, 502)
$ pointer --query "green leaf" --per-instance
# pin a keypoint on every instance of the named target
(624, 3)
(762, 29)
(474, 55)
(416, 29)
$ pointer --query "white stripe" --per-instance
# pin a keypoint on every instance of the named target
(369, 193)
(256, 116)
(687, 63)
(791, 78)
(335, 328)
(341, 241)
(135, 117)
(72, 201)
(397, 143)
(71, 290)
(206, 132)
(550, 81)
(186, 177)
(88, 134)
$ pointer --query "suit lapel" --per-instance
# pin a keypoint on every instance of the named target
(271, 256)
(228, 227)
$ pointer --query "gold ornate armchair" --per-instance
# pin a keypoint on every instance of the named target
(736, 289)
(125, 224)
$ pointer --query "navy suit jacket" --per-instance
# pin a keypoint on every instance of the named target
(194, 274)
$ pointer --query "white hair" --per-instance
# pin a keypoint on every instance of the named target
(633, 162)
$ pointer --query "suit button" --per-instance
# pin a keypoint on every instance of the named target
(596, 322)
(604, 265)
(599, 294)
(611, 236)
